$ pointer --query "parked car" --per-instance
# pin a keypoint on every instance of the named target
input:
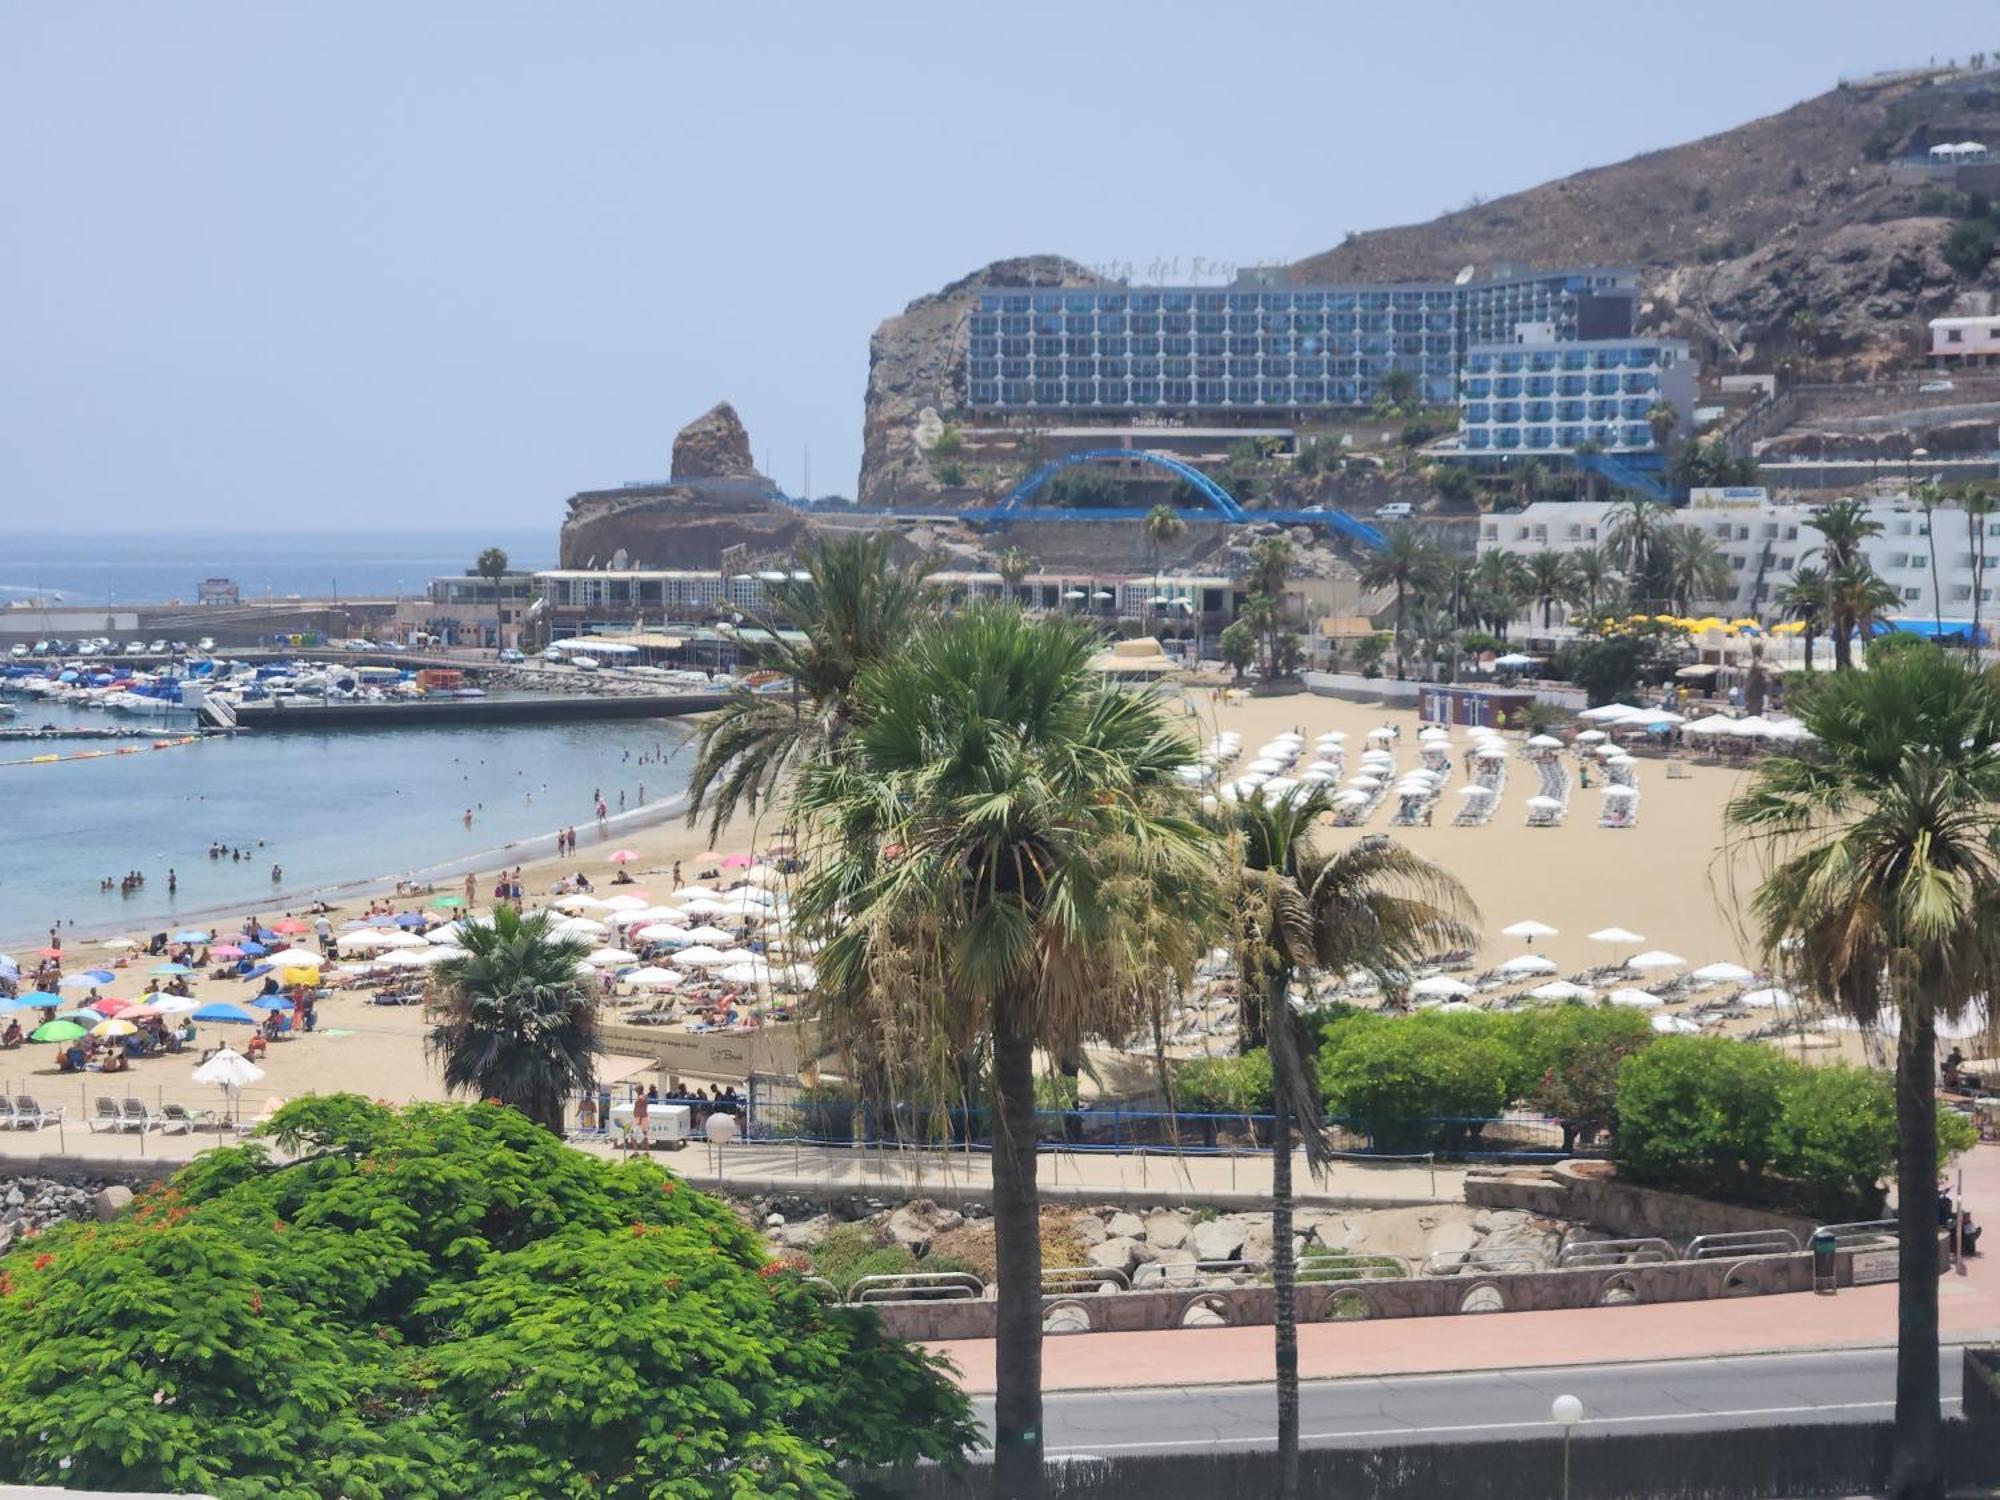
(1935, 387)
(1395, 510)
(18, 651)
(511, 655)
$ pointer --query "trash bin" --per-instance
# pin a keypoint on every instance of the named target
(1823, 1261)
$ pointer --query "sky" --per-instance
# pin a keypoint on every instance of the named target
(429, 265)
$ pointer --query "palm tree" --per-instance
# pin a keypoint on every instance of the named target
(1259, 614)
(853, 607)
(1399, 386)
(1406, 563)
(1636, 527)
(1928, 498)
(1979, 504)
(1013, 566)
(1162, 524)
(491, 564)
(1662, 417)
(1691, 570)
(1502, 586)
(515, 1022)
(1374, 906)
(1884, 895)
(1270, 565)
(1856, 598)
(1843, 526)
(999, 816)
(1804, 599)
(1591, 578)
(1549, 574)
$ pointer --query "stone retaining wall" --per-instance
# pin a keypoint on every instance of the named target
(1612, 1286)
(1562, 1191)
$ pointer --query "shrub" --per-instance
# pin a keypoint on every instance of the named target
(1566, 1061)
(824, 1112)
(1396, 1079)
(1224, 1085)
(1969, 246)
(1835, 1135)
(1696, 1114)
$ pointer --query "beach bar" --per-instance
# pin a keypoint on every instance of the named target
(1485, 707)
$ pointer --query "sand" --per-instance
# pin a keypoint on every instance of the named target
(1663, 878)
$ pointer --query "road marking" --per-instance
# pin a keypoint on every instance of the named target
(1543, 1425)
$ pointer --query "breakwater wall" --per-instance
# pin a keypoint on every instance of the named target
(455, 712)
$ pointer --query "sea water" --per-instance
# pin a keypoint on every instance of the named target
(328, 807)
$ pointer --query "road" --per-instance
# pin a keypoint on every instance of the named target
(1687, 1395)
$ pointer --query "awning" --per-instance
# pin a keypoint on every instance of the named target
(1701, 669)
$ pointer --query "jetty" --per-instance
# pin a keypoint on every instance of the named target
(440, 713)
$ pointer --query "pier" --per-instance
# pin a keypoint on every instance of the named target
(438, 713)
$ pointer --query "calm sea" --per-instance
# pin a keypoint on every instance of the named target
(139, 568)
(330, 808)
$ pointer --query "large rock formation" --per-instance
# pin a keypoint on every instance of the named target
(715, 501)
(713, 446)
(917, 360)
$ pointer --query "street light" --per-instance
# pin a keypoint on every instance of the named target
(1568, 1411)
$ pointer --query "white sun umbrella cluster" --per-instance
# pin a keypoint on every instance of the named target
(1441, 986)
(376, 940)
(1674, 1026)
(652, 977)
(1528, 963)
(610, 958)
(1722, 972)
(1635, 999)
(1654, 958)
(1528, 930)
(1560, 989)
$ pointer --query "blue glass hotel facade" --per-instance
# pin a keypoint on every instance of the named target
(1554, 397)
(1268, 348)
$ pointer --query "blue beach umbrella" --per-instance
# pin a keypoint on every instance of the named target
(257, 971)
(222, 1010)
(40, 997)
(99, 976)
(251, 950)
(410, 919)
(83, 1015)
(170, 969)
(80, 982)
(272, 1002)
(192, 935)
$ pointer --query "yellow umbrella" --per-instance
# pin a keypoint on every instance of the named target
(1790, 627)
(1746, 623)
(116, 1026)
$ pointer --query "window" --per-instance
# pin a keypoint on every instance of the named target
(1739, 562)
(1954, 336)
(1489, 533)
(1785, 564)
(1910, 596)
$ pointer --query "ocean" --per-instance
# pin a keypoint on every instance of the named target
(113, 567)
(330, 808)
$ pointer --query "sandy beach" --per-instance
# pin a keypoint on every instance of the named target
(1663, 878)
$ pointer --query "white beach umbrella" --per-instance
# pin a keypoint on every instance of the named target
(653, 978)
(604, 958)
(1766, 999)
(295, 958)
(1476, 791)
(741, 974)
(1331, 737)
(229, 1069)
(1434, 735)
(625, 903)
(1590, 736)
(408, 958)
(1270, 765)
(1675, 1026)
(1249, 782)
(1441, 985)
(704, 906)
(700, 956)
(1545, 804)
(1654, 958)
(1529, 963)
(449, 934)
(1544, 742)
(709, 935)
(577, 902)
(578, 927)
(1319, 774)
(1381, 732)
(1617, 936)
(1723, 973)
(687, 892)
(1621, 794)
(174, 1005)
(1560, 989)
(1349, 798)
(663, 932)
(1714, 725)
(1490, 752)
(1609, 712)
(1364, 783)
(1636, 999)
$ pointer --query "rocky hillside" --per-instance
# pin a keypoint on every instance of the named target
(1787, 239)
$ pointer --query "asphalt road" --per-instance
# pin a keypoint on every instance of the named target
(1688, 1395)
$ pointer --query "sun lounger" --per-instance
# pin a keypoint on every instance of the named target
(135, 1117)
(178, 1117)
(29, 1115)
(271, 1107)
(107, 1115)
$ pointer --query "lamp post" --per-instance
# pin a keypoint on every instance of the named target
(1568, 1411)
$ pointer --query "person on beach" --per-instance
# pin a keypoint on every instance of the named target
(640, 1112)
(678, 882)
(471, 890)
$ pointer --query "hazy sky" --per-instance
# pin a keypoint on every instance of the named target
(419, 264)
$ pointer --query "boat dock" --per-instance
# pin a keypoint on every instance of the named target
(19, 733)
(437, 713)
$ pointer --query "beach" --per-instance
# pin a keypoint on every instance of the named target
(1663, 879)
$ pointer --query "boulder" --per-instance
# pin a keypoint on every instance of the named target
(1165, 1231)
(1453, 1237)
(1116, 1254)
(1218, 1239)
(110, 1202)
(1089, 1229)
(917, 1223)
(1202, 1316)
(714, 446)
(805, 1234)
(1125, 1225)
(1067, 1319)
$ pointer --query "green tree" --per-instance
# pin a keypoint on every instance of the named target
(1549, 581)
(1690, 571)
(999, 822)
(516, 1021)
(1858, 598)
(1237, 646)
(1884, 895)
(1162, 525)
(1970, 244)
(1259, 614)
(853, 607)
(1696, 1114)
(1979, 505)
(432, 1289)
(1271, 562)
(1399, 1079)
(1569, 1059)
(1662, 417)
(1592, 579)
(1453, 482)
(1636, 532)
(1929, 497)
(1609, 667)
(1406, 563)
(1374, 907)
(1804, 599)
(1501, 589)
(1834, 1135)
(1398, 386)
(1844, 526)
(491, 565)
(1368, 654)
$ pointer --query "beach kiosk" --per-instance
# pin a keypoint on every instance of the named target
(666, 1124)
(1485, 707)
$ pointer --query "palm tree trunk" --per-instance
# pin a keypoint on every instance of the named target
(1284, 1280)
(1809, 646)
(1843, 644)
(1017, 1349)
(1399, 630)
(1916, 1466)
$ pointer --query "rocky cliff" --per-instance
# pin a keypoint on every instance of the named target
(714, 446)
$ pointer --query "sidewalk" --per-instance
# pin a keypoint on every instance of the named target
(761, 1167)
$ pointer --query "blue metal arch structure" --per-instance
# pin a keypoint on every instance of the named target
(1207, 488)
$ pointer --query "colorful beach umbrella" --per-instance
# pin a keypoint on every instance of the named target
(451, 903)
(623, 856)
(192, 935)
(222, 1010)
(169, 969)
(272, 1002)
(114, 1028)
(290, 924)
(56, 1031)
(40, 997)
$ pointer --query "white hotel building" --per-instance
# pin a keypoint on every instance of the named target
(1765, 542)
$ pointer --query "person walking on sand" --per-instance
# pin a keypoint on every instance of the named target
(471, 890)
(678, 882)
